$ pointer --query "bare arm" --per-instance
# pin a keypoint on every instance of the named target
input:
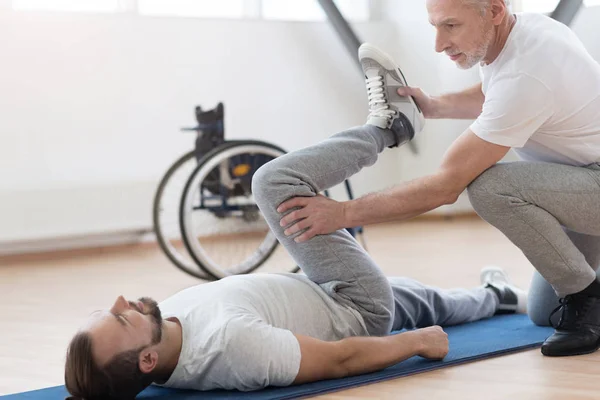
(462, 105)
(465, 160)
(359, 355)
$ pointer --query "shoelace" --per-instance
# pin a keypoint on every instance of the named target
(563, 301)
(377, 103)
(563, 304)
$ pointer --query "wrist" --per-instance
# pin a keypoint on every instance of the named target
(419, 342)
(413, 340)
(346, 212)
(437, 107)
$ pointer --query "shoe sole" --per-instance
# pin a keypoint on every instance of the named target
(579, 353)
(369, 51)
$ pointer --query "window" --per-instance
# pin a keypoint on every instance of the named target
(547, 6)
(193, 8)
(286, 10)
(310, 10)
(69, 5)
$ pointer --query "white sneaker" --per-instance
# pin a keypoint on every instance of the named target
(512, 299)
(384, 78)
(492, 273)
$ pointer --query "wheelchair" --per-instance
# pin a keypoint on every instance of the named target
(204, 216)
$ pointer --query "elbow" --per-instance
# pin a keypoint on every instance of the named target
(342, 371)
(344, 364)
(450, 197)
(448, 193)
(450, 187)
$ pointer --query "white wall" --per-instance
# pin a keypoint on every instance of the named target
(91, 104)
(587, 26)
(91, 107)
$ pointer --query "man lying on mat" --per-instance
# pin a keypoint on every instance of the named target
(251, 331)
(540, 94)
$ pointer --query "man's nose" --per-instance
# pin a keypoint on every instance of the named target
(120, 305)
(441, 42)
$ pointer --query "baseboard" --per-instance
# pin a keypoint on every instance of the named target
(38, 215)
(45, 221)
(77, 246)
(93, 241)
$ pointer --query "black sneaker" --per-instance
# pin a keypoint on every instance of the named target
(578, 329)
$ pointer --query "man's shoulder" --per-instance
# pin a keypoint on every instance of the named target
(533, 21)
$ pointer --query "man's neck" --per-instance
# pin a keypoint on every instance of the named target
(170, 349)
(502, 32)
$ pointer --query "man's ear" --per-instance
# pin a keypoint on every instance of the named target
(148, 360)
(498, 10)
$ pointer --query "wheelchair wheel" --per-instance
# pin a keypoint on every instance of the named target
(165, 215)
(222, 228)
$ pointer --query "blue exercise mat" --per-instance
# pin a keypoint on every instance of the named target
(475, 341)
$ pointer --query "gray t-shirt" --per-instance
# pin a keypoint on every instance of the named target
(238, 332)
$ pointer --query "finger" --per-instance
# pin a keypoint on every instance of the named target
(305, 236)
(297, 227)
(405, 91)
(289, 204)
(293, 217)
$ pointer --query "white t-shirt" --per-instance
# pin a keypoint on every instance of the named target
(542, 95)
(238, 332)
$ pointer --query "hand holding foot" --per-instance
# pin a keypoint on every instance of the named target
(426, 103)
(387, 109)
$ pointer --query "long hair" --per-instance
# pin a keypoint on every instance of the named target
(121, 378)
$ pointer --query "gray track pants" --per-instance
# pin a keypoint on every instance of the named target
(336, 261)
(552, 213)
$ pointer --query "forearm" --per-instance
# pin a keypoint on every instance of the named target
(401, 202)
(463, 105)
(368, 354)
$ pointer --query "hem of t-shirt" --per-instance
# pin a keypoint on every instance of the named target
(496, 137)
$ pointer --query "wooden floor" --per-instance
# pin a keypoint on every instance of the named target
(46, 297)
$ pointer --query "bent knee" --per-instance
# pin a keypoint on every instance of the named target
(488, 182)
(263, 179)
(490, 192)
(542, 300)
(539, 315)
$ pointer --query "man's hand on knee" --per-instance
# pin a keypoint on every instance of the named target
(317, 215)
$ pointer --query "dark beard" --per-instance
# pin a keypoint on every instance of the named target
(151, 309)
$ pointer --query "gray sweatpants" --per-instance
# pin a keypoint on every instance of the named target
(336, 261)
(552, 213)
